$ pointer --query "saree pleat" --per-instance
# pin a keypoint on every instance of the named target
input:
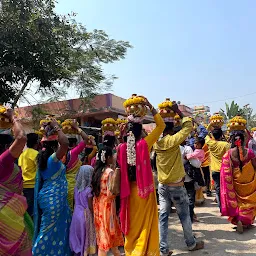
(14, 236)
(53, 237)
(144, 239)
(238, 192)
(71, 179)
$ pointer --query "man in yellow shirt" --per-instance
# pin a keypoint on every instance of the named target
(217, 149)
(28, 165)
(171, 188)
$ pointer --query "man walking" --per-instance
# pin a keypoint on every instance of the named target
(171, 188)
(28, 164)
(217, 149)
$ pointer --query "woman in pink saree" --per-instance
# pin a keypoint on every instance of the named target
(238, 183)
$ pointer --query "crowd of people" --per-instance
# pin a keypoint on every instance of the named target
(59, 196)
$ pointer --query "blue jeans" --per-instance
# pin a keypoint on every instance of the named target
(179, 197)
(216, 178)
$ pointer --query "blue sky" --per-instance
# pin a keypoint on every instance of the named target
(199, 51)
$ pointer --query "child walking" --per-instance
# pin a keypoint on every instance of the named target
(82, 232)
(108, 231)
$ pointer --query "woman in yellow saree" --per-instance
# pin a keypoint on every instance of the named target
(238, 183)
(138, 215)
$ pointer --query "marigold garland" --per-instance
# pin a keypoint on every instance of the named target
(5, 122)
(67, 126)
(109, 124)
(45, 129)
(217, 120)
(135, 106)
(121, 121)
(237, 123)
(39, 133)
(165, 109)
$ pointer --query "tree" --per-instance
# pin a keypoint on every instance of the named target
(51, 52)
(6, 92)
(249, 116)
(231, 111)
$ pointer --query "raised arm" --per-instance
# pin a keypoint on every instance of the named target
(62, 139)
(202, 131)
(160, 126)
(80, 131)
(93, 153)
(179, 137)
(20, 137)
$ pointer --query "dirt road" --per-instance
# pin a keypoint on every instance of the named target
(219, 236)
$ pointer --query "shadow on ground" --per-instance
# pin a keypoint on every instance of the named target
(219, 236)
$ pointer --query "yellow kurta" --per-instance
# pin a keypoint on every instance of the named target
(143, 236)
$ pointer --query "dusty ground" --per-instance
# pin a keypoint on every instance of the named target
(219, 236)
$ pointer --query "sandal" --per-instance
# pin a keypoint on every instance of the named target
(199, 246)
(167, 254)
(240, 228)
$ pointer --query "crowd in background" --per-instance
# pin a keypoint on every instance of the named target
(61, 197)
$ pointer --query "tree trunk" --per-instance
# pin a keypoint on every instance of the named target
(24, 86)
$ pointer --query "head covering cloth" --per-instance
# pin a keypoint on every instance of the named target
(84, 177)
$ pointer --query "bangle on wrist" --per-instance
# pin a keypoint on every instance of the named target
(79, 130)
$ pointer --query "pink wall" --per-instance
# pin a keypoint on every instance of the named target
(117, 102)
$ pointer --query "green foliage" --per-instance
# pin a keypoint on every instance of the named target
(234, 109)
(51, 51)
(249, 116)
(231, 111)
(6, 92)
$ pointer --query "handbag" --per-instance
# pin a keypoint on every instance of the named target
(114, 185)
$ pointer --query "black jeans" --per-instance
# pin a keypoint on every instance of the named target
(207, 177)
(190, 187)
(29, 194)
(216, 178)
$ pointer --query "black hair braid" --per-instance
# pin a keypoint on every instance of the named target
(109, 141)
(87, 152)
(239, 134)
(240, 161)
(48, 150)
(99, 170)
(72, 142)
(136, 129)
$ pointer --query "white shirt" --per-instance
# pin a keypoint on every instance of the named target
(188, 150)
(194, 162)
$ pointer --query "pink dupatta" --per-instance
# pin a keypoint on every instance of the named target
(144, 179)
(229, 204)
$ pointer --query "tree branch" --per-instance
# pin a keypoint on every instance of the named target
(24, 86)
